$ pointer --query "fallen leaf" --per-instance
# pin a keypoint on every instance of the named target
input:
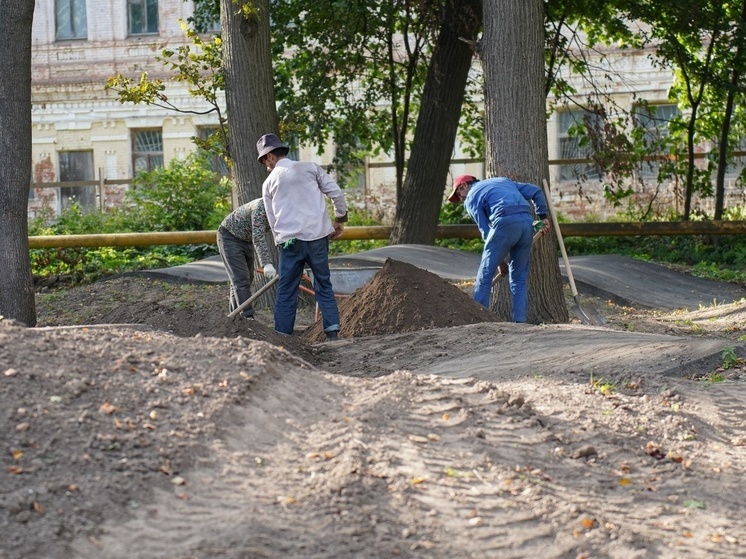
(73, 487)
(652, 449)
(688, 534)
(107, 407)
(38, 507)
(587, 522)
(678, 458)
(22, 427)
(15, 470)
(625, 481)
(433, 437)
(17, 454)
(418, 480)
(418, 439)
(446, 417)
(147, 425)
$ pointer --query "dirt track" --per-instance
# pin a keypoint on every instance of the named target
(137, 442)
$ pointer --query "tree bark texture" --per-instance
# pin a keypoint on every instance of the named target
(515, 117)
(418, 207)
(250, 102)
(249, 89)
(16, 281)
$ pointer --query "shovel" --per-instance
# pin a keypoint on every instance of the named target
(587, 315)
(253, 298)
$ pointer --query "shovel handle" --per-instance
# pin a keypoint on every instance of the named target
(557, 231)
(253, 298)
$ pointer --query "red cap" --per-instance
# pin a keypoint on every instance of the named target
(458, 181)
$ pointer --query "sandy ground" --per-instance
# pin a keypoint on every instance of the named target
(181, 434)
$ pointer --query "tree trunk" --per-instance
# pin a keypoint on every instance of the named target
(418, 207)
(250, 102)
(249, 90)
(16, 281)
(735, 78)
(515, 117)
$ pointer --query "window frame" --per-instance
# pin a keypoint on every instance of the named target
(75, 166)
(145, 7)
(154, 158)
(569, 172)
(71, 6)
(642, 116)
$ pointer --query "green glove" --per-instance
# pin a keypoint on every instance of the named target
(287, 244)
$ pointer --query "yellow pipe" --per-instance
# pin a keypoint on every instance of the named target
(383, 232)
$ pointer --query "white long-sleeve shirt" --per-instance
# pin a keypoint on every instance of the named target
(294, 200)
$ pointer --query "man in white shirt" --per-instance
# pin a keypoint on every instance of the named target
(294, 199)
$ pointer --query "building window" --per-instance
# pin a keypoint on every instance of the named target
(217, 162)
(654, 120)
(142, 16)
(147, 150)
(572, 147)
(70, 18)
(77, 166)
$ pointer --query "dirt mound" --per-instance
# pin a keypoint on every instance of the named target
(403, 298)
(185, 311)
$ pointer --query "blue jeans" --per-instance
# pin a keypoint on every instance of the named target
(512, 235)
(292, 261)
(238, 259)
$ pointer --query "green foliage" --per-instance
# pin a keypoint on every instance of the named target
(731, 358)
(186, 195)
(199, 65)
(358, 81)
(455, 214)
(75, 221)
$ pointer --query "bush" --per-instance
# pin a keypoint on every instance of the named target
(184, 196)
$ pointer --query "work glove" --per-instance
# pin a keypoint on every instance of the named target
(269, 271)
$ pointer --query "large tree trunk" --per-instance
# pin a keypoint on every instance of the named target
(250, 101)
(16, 282)
(735, 78)
(419, 205)
(249, 89)
(515, 117)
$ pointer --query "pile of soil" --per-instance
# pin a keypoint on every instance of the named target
(184, 434)
(403, 298)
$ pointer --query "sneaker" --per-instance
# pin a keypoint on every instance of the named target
(332, 336)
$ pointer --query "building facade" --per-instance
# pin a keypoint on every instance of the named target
(82, 133)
